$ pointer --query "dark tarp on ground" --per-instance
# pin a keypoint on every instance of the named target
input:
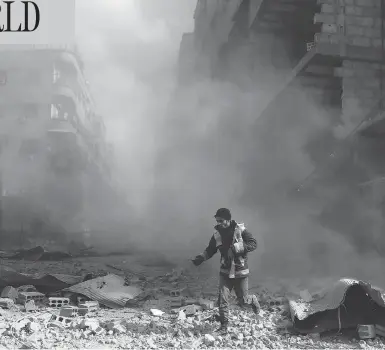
(345, 304)
(44, 283)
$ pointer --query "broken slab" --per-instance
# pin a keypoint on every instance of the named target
(30, 306)
(9, 292)
(6, 303)
(108, 290)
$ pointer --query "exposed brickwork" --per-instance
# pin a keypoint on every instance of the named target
(355, 23)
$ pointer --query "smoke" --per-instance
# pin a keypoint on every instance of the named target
(181, 154)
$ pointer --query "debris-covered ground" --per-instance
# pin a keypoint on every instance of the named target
(151, 322)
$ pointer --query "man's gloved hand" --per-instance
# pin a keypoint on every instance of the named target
(199, 259)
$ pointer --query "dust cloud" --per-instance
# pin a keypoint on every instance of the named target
(182, 153)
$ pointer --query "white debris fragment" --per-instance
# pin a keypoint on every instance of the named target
(209, 339)
(156, 312)
(151, 343)
(181, 315)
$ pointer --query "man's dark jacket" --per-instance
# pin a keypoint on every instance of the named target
(233, 242)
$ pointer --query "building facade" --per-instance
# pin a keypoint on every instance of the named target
(55, 160)
(333, 52)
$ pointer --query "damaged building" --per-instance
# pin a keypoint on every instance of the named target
(56, 164)
(328, 52)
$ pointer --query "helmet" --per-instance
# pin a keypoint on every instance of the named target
(223, 213)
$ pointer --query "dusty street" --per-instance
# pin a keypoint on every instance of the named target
(137, 326)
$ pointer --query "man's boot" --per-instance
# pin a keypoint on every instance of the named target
(255, 305)
(223, 329)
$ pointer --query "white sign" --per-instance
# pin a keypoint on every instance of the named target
(37, 22)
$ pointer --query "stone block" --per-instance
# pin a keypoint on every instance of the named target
(175, 293)
(23, 297)
(176, 302)
(366, 3)
(64, 321)
(321, 2)
(360, 41)
(377, 23)
(355, 30)
(327, 38)
(325, 18)
(371, 12)
(368, 93)
(371, 83)
(378, 43)
(58, 302)
(327, 8)
(373, 33)
(354, 10)
(329, 28)
(366, 331)
(359, 21)
(344, 72)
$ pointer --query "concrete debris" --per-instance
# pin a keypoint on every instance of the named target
(176, 302)
(58, 302)
(156, 312)
(366, 331)
(69, 311)
(90, 305)
(119, 329)
(23, 297)
(33, 326)
(186, 319)
(9, 293)
(191, 309)
(6, 303)
(181, 315)
(30, 306)
(81, 299)
(209, 339)
(90, 323)
(206, 304)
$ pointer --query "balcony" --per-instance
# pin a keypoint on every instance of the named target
(66, 107)
(68, 66)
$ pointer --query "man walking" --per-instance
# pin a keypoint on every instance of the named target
(234, 242)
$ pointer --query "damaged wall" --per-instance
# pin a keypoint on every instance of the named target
(301, 130)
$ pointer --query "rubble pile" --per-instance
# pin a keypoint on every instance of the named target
(172, 310)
